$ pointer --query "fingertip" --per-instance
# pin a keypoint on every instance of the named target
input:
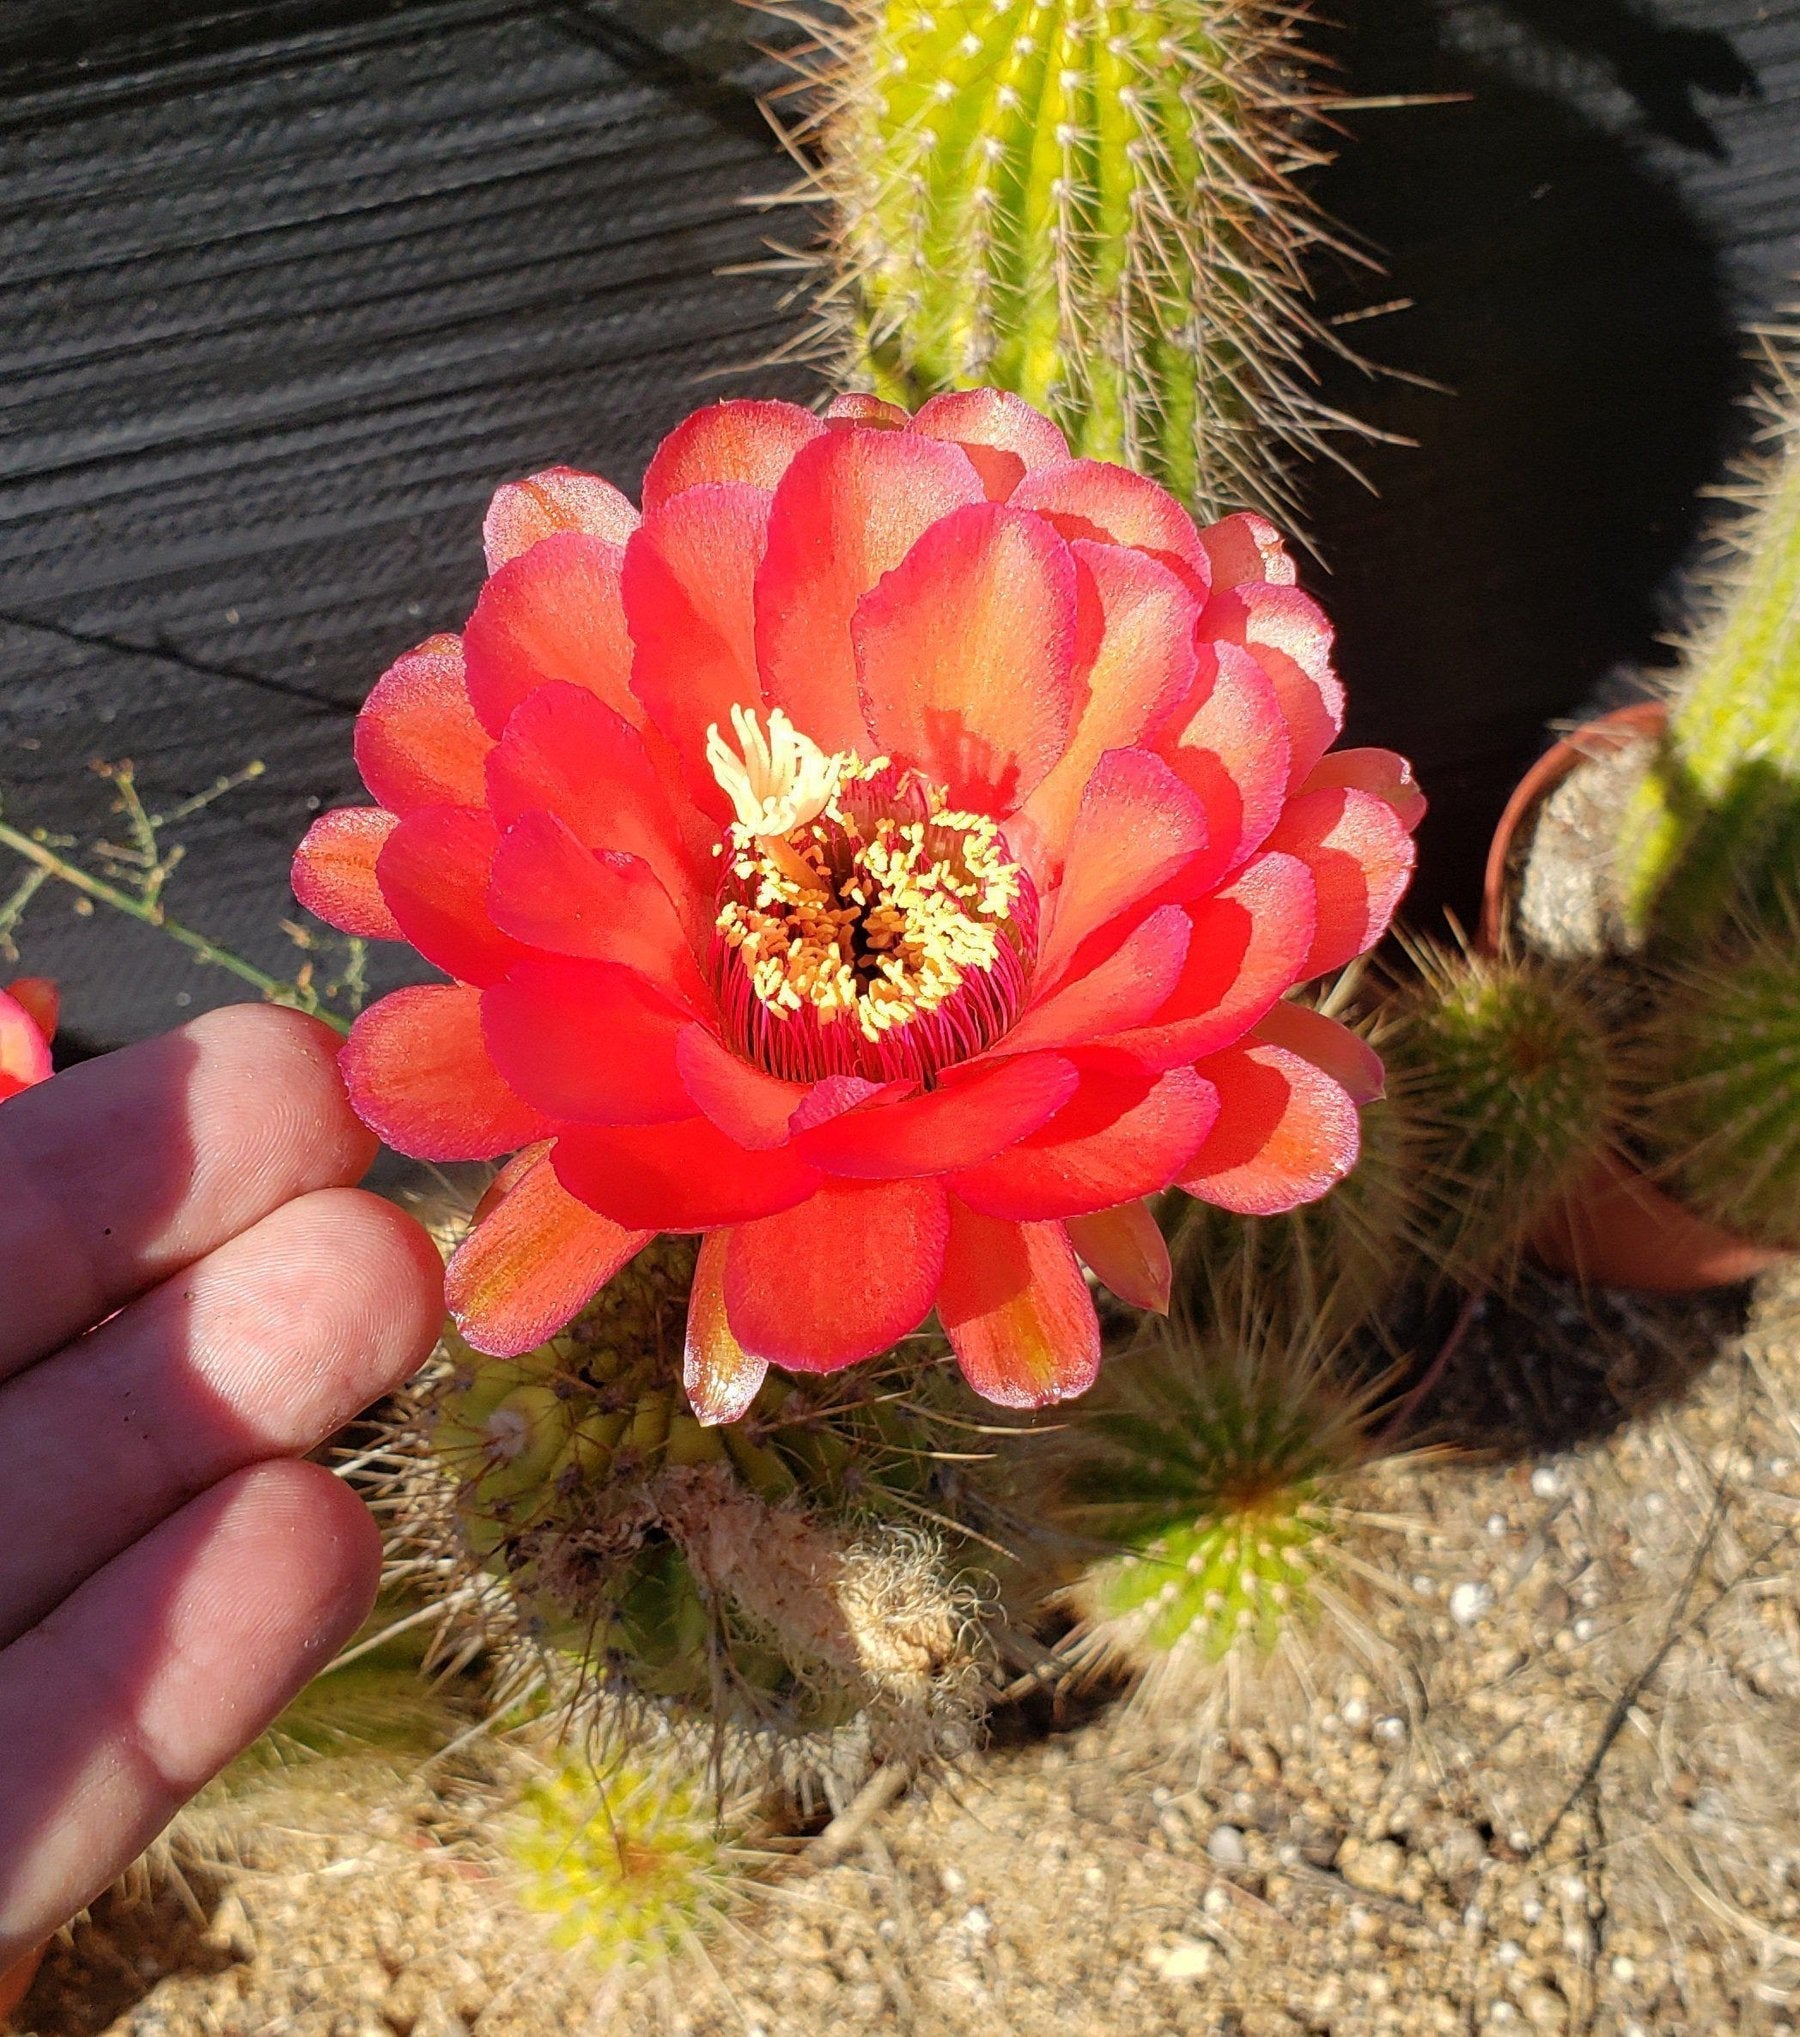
(293, 1058)
(403, 1272)
(344, 1557)
(295, 1561)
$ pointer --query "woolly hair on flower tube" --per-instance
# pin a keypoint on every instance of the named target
(886, 854)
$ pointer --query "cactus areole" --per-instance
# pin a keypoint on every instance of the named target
(887, 856)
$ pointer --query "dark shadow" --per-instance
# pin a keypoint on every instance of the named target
(123, 1949)
(1552, 1366)
(1576, 366)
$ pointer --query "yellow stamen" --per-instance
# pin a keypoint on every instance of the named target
(876, 922)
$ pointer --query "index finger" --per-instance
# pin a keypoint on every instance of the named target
(115, 1174)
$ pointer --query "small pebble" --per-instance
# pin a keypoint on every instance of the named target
(1225, 1847)
(1468, 1602)
(1546, 1481)
(1186, 1959)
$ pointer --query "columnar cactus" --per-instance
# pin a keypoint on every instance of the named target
(1717, 818)
(1090, 203)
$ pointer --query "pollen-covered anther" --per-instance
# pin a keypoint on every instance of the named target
(881, 934)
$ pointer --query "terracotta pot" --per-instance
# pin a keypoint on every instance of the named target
(15, 1982)
(1616, 1228)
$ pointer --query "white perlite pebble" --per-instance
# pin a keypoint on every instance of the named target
(1468, 1602)
(1225, 1847)
(1186, 1959)
(1546, 1481)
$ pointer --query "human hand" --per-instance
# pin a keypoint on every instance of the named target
(191, 1295)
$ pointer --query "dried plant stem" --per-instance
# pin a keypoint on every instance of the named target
(152, 915)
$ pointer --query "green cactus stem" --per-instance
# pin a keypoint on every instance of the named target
(1716, 821)
(1505, 1068)
(1089, 203)
(1716, 1080)
(791, 1573)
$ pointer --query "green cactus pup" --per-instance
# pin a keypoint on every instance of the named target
(1212, 1467)
(632, 1864)
(1505, 1067)
(1716, 1081)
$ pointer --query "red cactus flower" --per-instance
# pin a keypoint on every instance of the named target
(886, 857)
(27, 1026)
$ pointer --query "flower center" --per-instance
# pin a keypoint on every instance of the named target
(864, 927)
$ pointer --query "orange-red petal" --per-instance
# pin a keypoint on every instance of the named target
(1125, 1250)
(1361, 858)
(549, 890)
(689, 579)
(1286, 1132)
(417, 741)
(1138, 830)
(965, 655)
(1125, 990)
(1385, 773)
(535, 1259)
(1345, 1056)
(1289, 636)
(523, 513)
(858, 407)
(1135, 664)
(1094, 499)
(720, 1377)
(745, 439)
(847, 511)
(842, 1276)
(40, 999)
(552, 616)
(1128, 1131)
(1246, 547)
(419, 1074)
(747, 1103)
(334, 872)
(433, 872)
(1233, 750)
(567, 754)
(1248, 948)
(681, 1177)
(1001, 433)
(587, 1042)
(1017, 1311)
(973, 1113)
